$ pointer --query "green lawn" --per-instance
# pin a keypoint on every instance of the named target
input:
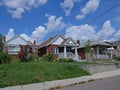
(32, 72)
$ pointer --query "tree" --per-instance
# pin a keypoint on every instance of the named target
(87, 49)
(1, 43)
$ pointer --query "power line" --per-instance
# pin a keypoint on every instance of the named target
(100, 15)
(103, 13)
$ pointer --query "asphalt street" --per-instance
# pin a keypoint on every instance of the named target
(102, 84)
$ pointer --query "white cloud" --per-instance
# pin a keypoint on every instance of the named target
(39, 33)
(90, 6)
(88, 32)
(10, 34)
(107, 31)
(82, 33)
(117, 35)
(67, 5)
(54, 23)
(17, 7)
(80, 17)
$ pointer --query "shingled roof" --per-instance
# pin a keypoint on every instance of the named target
(47, 42)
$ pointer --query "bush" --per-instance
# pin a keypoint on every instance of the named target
(70, 60)
(48, 57)
(65, 60)
(116, 57)
(33, 57)
(5, 58)
(62, 60)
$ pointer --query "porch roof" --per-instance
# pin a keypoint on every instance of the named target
(97, 44)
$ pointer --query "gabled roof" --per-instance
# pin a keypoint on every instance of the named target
(52, 39)
(18, 36)
(45, 43)
(66, 40)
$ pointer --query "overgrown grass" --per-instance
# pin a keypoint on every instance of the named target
(20, 73)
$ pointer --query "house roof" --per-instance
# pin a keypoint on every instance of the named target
(50, 40)
(18, 36)
(65, 40)
(97, 44)
(45, 43)
(115, 43)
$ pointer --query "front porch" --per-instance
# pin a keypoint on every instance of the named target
(100, 52)
(69, 52)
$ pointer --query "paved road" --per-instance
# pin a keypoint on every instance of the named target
(103, 84)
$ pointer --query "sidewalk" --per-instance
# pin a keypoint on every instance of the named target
(65, 82)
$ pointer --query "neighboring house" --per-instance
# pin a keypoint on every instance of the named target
(18, 44)
(116, 46)
(59, 46)
(98, 51)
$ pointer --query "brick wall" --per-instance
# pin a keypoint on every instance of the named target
(49, 49)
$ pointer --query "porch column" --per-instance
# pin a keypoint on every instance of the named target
(65, 52)
(76, 53)
(97, 52)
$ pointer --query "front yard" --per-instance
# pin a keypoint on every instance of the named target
(20, 73)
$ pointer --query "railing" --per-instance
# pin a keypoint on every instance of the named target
(69, 54)
(101, 56)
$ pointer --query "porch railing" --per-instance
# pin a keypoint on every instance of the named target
(101, 56)
(69, 54)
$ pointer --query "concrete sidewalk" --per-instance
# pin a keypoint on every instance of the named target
(62, 83)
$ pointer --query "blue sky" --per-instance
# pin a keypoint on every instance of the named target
(41, 19)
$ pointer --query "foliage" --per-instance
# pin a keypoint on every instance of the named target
(20, 73)
(5, 58)
(65, 60)
(33, 57)
(48, 57)
(1, 44)
(87, 46)
(70, 60)
(116, 57)
(61, 60)
(87, 49)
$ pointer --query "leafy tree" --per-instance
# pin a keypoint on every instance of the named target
(1, 43)
(87, 48)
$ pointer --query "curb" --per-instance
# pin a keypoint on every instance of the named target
(65, 82)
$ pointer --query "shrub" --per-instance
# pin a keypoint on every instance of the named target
(70, 60)
(5, 58)
(116, 57)
(33, 57)
(62, 60)
(48, 57)
(65, 60)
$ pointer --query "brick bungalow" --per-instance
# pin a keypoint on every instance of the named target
(18, 44)
(60, 46)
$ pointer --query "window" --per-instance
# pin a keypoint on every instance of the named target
(13, 49)
(55, 50)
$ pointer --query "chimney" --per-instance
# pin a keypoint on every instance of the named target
(4, 39)
(34, 42)
(78, 42)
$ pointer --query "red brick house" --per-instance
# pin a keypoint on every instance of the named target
(60, 46)
(18, 44)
